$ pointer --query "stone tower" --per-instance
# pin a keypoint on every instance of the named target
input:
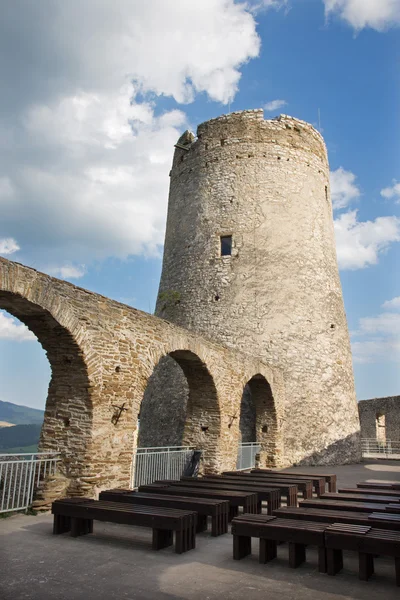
(250, 262)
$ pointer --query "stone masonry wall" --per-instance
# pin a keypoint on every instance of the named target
(102, 355)
(278, 295)
(376, 407)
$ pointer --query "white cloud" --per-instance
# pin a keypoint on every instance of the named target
(379, 337)
(8, 246)
(67, 271)
(376, 14)
(393, 304)
(274, 105)
(392, 192)
(6, 188)
(85, 152)
(343, 188)
(360, 243)
(11, 329)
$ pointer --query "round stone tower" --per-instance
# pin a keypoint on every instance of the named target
(250, 261)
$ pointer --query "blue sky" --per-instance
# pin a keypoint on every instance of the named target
(98, 93)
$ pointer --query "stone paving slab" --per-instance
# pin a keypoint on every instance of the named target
(117, 563)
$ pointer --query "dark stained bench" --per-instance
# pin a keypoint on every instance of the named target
(218, 510)
(379, 485)
(319, 481)
(77, 515)
(367, 541)
(372, 491)
(272, 496)
(246, 500)
(380, 520)
(345, 505)
(394, 508)
(270, 531)
(343, 497)
(304, 485)
(288, 490)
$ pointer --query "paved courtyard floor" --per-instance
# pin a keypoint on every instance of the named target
(117, 562)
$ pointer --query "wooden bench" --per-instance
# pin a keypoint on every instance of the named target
(319, 482)
(379, 485)
(270, 531)
(393, 508)
(343, 497)
(367, 541)
(381, 520)
(246, 500)
(365, 507)
(305, 486)
(272, 496)
(218, 510)
(394, 494)
(77, 515)
(288, 490)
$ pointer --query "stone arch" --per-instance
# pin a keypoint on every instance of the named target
(67, 426)
(261, 419)
(197, 413)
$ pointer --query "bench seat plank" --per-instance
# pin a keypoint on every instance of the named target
(344, 497)
(345, 505)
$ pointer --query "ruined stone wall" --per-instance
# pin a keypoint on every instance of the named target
(102, 355)
(278, 296)
(373, 409)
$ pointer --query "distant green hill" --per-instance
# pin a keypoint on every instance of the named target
(20, 415)
(19, 437)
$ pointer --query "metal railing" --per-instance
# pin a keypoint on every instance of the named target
(163, 462)
(20, 474)
(246, 458)
(372, 448)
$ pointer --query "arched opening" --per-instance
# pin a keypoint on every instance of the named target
(180, 407)
(67, 426)
(258, 421)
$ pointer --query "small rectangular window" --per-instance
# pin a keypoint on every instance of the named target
(226, 245)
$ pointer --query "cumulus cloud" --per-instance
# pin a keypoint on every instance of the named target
(343, 188)
(67, 271)
(85, 145)
(360, 243)
(393, 304)
(274, 105)
(378, 338)
(376, 14)
(11, 329)
(8, 246)
(392, 192)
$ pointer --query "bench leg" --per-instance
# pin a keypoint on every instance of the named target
(322, 566)
(162, 538)
(201, 523)
(297, 554)
(334, 560)
(241, 546)
(233, 512)
(397, 569)
(61, 524)
(78, 527)
(267, 551)
(365, 566)
(259, 508)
